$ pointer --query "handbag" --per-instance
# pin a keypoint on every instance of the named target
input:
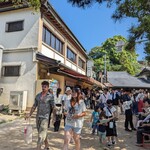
(28, 132)
(111, 124)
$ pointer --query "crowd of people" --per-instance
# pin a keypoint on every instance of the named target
(106, 106)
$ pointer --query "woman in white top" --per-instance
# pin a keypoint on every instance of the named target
(57, 111)
(66, 99)
(111, 131)
(75, 112)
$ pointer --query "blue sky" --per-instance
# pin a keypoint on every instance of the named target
(92, 26)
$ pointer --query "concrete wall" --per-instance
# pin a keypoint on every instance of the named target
(25, 38)
(19, 48)
(26, 80)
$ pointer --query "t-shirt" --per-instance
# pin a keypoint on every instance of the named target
(58, 100)
(76, 110)
(66, 99)
(95, 116)
(107, 112)
(43, 105)
(127, 105)
(101, 127)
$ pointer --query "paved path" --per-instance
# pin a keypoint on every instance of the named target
(12, 137)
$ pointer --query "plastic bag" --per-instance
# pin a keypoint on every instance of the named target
(28, 134)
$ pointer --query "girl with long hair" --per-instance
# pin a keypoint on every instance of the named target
(75, 112)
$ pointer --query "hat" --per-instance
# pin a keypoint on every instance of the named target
(68, 89)
(100, 91)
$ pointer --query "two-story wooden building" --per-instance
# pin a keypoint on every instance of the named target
(37, 46)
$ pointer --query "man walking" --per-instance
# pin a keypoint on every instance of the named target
(127, 104)
(43, 102)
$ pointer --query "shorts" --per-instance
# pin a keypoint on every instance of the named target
(42, 127)
(74, 129)
(102, 135)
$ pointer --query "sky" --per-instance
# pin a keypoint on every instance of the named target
(93, 26)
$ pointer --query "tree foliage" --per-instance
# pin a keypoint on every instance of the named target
(139, 9)
(126, 60)
(33, 3)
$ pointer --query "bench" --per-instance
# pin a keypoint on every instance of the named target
(146, 142)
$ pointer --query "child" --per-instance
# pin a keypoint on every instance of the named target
(102, 123)
(94, 118)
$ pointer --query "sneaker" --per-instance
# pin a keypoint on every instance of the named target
(109, 144)
(113, 142)
(134, 129)
(128, 130)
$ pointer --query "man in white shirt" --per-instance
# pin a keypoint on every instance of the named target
(104, 97)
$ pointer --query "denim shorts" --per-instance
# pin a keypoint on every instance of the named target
(74, 129)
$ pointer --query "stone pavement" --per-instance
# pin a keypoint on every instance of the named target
(12, 136)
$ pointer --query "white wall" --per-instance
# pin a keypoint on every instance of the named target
(24, 82)
(25, 38)
(17, 50)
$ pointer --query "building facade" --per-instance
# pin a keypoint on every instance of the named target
(37, 46)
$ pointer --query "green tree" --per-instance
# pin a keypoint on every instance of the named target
(125, 60)
(33, 3)
(138, 9)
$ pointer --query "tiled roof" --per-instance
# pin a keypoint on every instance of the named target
(123, 79)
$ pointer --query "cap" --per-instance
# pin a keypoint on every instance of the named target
(68, 89)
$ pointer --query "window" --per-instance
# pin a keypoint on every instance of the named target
(14, 26)
(51, 40)
(71, 55)
(81, 63)
(11, 71)
(47, 38)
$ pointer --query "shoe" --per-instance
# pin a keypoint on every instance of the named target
(134, 129)
(128, 130)
(72, 141)
(47, 148)
(81, 137)
(113, 142)
(109, 144)
(139, 145)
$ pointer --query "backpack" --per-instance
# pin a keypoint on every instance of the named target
(58, 109)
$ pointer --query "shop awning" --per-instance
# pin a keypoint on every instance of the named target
(65, 70)
(46, 60)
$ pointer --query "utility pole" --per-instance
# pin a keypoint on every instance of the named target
(105, 68)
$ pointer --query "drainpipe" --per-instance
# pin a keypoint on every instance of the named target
(1, 56)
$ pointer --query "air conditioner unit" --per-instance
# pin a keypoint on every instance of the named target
(18, 100)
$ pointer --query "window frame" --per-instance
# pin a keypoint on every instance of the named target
(83, 63)
(58, 46)
(7, 73)
(8, 29)
(74, 55)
